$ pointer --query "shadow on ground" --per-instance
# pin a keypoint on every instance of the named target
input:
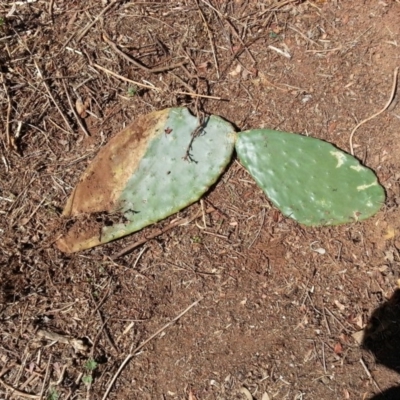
(382, 338)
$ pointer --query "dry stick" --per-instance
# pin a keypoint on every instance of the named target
(303, 35)
(210, 37)
(369, 375)
(324, 51)
(136, 63)
(90, 24)
(8, 138)
(240, 40)
(103, 323)
(131, 355)
(188, 87)
(33, 212)
(259, 230)
(18, 392)
(51, 4)
(125, 79)
(158, 233)
(52, 98)
(153, 87)
(199, 95)
(77, 117)
(45, 377)
(29, 381)
(396, 71)
(276, 6)
(226, 18)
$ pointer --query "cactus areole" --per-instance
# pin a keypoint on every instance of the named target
(147, 172)
(308, 179)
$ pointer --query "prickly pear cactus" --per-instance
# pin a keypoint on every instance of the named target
(148, 171)
(308, 179)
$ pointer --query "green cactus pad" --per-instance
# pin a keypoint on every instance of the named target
(308, 179)
(144, 174)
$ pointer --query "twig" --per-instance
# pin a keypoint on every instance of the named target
(323, 356)
(45, 378)
(187, 86)
(51, 96)
(138, 257)
(90, 24)
(131, 355)
(394, 86)
(259, 230)
(137, 63)
(216, 235)
(77, 381)
(303, 35)
(154, 87)
(324, 51)
(18, 392)
(71, 105)
(210, 37)
(283, 53)
(8, 138)
(62, 375)
(226, 18)
(336, 319)
(326, 321)
(204, 214)
(133, 246)
(125, 79)
(51, 4)
(369, 375)
(103, 323)
(33, 212)
(277, 6)
(204, 96)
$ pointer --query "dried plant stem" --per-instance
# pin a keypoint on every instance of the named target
(18, 392)
(153, 87)
(8, 139)
(72, 107)
(136, 63)
(85, 30)
(370, 375)
(392, 94)
(210, 37)
(125, 79)
(199, 95)
(45, 378)
(51, 96)
(132, 354)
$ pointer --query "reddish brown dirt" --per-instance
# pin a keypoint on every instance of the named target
(274, 314)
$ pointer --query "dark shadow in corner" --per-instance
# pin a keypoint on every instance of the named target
(382, 338)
